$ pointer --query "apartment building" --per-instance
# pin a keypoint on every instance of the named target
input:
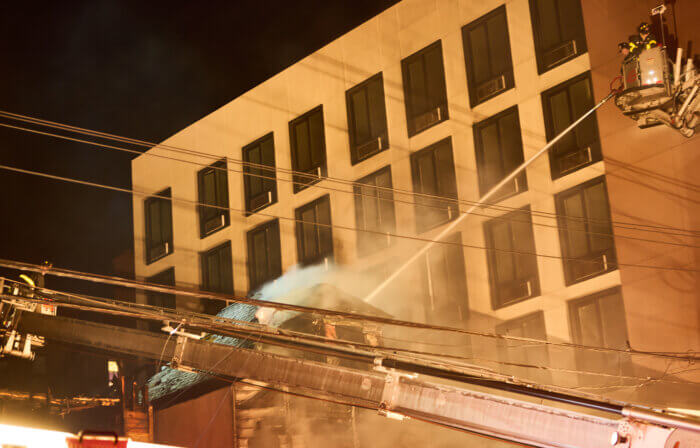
(366, 149)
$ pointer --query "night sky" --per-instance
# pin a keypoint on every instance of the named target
(139, 69)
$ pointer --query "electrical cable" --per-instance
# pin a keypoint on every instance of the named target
(417, 204)
(624, 225)
(337, 226)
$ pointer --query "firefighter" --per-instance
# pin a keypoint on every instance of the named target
(644, 40)
(624, 49)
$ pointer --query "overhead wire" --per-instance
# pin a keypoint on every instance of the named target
(313, 310)
(311, 177)
(336, 226)
(449, 202)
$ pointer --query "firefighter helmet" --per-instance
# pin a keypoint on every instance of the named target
(643, 28)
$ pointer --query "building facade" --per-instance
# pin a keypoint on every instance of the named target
(368, 148)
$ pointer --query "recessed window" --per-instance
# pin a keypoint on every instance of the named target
(217, 274)
(433, 172)
(446, 282)
(159, 226)
(213, 193)
(585, 230)
(487, 55)
(513, 270)
(374, 211)
(499, 151)
(264, 255)
(530, 326)
(599, 320)
(367, 119)
(424, 89)
(563, 105)
(559, 33)
(160, 299)
(308, 143)
(259, 182)
(314, 234)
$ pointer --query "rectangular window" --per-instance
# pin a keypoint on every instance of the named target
(308, 143)
(163, 300)
(559, 33)
(424, 89)
(374, 210)
(562, 105)
(487, 55)
(213, 192)
(599, 321)
(217, 274)
(264, 254)
(159, 226)
(433, 172)
(513, 270)
(520, 352)
(314, 236)
(446, 282)
(585, 231)
(367, 119)
(260, 184)
(499, 151)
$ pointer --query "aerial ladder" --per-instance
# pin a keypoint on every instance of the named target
(397, 386)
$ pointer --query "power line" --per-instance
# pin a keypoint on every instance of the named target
(333, 226)
(261, 167)
(118, 281)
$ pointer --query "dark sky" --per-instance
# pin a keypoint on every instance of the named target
(134, 68)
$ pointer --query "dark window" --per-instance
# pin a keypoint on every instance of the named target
(260, 184)
(499, 151)
(367, 119)
(434, 174)
(314, 234)
(213, 192)
(585, 231)
(264, 255)
(446, 282)
(159, 299)
(487, 55)
(563, 105)
(374, 210)
(424, 89)
(558, 29)
(159, 226)
(530, 326)
(512, 261)
(217, 274)
(308, 145)
(599, 321)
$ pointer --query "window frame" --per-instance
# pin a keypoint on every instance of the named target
(506, 351)
(507, 76)
(274, 226)
(496, 286)
(574, 305)
(303, 181)
(211, 305)
(580, 43)
(249, 171)
(422, 204)
(594, 148)
(447, 253)
(382, 136)
(369, 243)
(563, 232)
(520, 181)
(321, 256)
(164, 300)
(220, 170)
(440, 104)
(169, 249)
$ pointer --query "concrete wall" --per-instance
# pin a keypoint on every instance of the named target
(653, 181)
